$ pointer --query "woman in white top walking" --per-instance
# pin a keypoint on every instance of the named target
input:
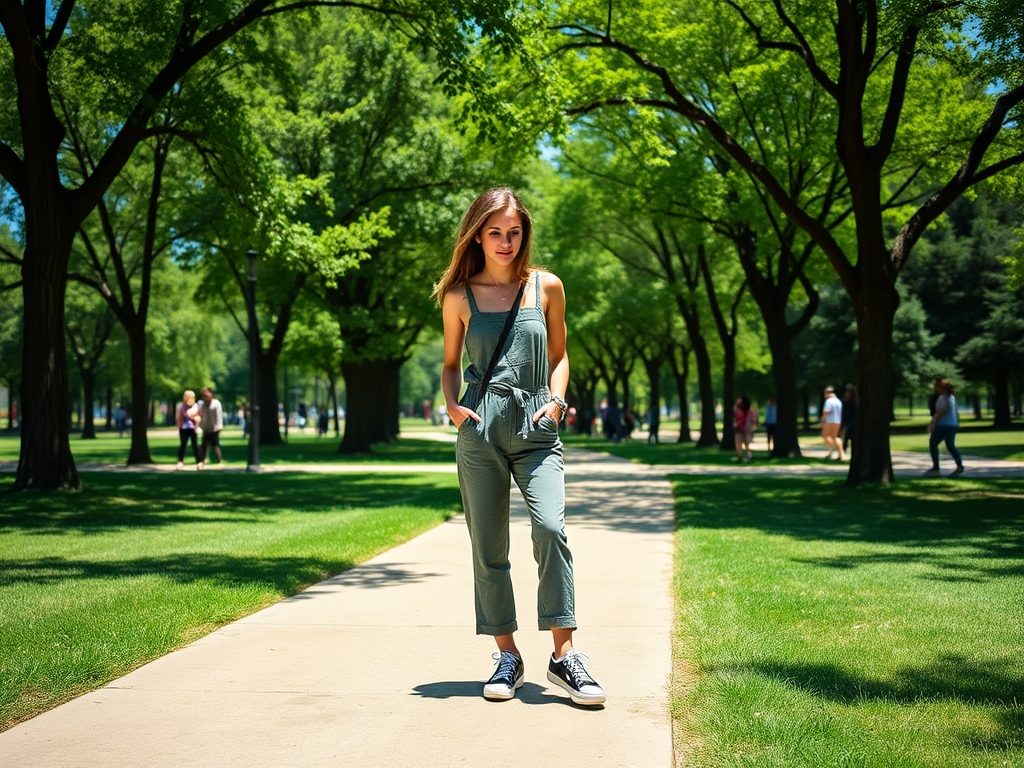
(831, 419)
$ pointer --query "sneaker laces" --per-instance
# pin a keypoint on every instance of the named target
(576, 662)
(506, 663)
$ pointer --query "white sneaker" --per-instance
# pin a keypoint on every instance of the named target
(570, 673)
(510, 675)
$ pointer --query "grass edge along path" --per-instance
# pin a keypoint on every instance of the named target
(97, 583)
(816, 626)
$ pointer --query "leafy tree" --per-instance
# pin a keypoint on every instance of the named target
(964, 286)
(364, 118)
(89, 323)
(315, 340)
(134, 55)
(915, 124)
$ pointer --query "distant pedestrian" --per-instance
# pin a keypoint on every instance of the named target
(322, 423)
(831, 420)
(211, 420)
(654, 423)
(628, 424)
(744, 422)
(242, 422)
(771, 418)
(848, 422)
(187, 419)
(943, 427)
(120, 417)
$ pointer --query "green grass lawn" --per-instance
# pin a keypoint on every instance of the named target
(822, 626)
(96, 583)
(1006, 445)
(305, 448)
(668, 453)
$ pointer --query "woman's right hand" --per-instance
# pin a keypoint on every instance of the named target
(463, 413)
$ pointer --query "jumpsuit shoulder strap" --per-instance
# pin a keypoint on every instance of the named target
(537, 287)
(472, 301)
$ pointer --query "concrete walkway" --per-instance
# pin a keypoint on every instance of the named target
(380, 667)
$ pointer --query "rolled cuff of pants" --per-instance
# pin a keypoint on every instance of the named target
(557, 622)
(501, 629)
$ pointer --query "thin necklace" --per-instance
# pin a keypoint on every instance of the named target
(508, 291)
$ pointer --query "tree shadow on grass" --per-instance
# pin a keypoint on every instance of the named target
(284, 575)
(972, 531)
(113, 502)
(992, 684)
(949, 676)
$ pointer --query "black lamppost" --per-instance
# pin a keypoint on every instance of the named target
(254, 350)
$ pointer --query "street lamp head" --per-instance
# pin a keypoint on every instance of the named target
(251, 257)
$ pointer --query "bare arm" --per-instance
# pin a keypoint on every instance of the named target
(558, 356)
(455, 313)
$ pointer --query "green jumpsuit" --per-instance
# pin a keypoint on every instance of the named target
(507, 442)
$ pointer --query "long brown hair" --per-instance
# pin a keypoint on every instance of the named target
(468, 254)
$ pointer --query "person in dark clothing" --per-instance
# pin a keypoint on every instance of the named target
(849, 417)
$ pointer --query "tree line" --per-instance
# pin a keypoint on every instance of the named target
(723, 170)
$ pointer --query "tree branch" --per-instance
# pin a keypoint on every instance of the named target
(12, 168)
(681, 104)
(134, 126)
(10, 256)
(897, 95)
(966, 176)
(801, 47)
(60, 23)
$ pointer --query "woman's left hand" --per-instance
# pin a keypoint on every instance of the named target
(551, 410)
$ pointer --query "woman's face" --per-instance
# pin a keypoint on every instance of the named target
(501, 236)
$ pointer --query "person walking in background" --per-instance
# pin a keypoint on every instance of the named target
(848, 423)
(654, 423)
(510, 318)
(744, 422)
(831, 420)
(943, 427)
(211, 421)
(187, 419)
(771, 418)
(120, 417)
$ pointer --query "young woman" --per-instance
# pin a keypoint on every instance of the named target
(187, 421)
(943, 427)
(744, 422)
(511, 430)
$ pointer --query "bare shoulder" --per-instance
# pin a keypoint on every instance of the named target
(550, 283)
(456, 304)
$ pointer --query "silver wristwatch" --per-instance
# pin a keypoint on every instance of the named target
(564, 406)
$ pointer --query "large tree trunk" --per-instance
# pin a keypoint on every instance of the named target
(708, 430)
(138, 452)
(1002, 400)
(333, 379)
(681, 373)
(270, 428)
(370, 387)
(45, 462)
(110, 403)
(88, 390)
(728, 392)
(780, 343)
(875, 307)
(12, 400)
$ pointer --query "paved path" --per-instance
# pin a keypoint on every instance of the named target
(380, 667)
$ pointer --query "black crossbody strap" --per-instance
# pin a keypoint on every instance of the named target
(509, 322)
